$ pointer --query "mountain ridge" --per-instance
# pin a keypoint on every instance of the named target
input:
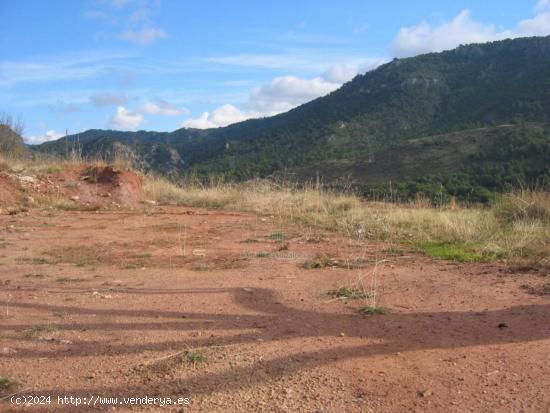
(467, 88)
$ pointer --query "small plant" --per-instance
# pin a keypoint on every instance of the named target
(352, 293)
(34, 275)
(69, 279)
(35, 330)
(7, 384)
(373, 310)
(317, 263)
(250, 241)
(194, 357)
(262, 254)
(278, 236)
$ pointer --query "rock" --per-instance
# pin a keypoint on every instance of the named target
(7, 350)
(150, 202)
(29, 199)
(502, 325)
(27, 179)
(75, 198)
(11, 211)
(425, 393)
(342, 334)
(65, 342)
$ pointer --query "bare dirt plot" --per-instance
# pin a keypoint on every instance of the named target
(218, 307)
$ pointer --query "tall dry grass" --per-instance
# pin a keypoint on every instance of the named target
(517, 227)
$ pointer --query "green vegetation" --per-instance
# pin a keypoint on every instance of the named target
(439, 125)
(458, 252)
(352, 293)
(7, 384)
(194, 357)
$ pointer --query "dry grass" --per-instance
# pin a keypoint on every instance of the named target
(516, 228)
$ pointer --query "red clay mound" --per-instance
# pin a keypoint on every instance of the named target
(91, 186)
(119, 186)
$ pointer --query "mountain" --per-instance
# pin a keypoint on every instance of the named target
(425, 120)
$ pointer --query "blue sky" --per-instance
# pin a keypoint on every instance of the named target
(166, 64)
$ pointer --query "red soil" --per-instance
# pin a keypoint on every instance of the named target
(108, 303)
(84, 185)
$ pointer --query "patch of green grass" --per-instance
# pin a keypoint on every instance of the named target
(278, 236)
(262, 254)
(7, 384)
(369, 310)
(352, 293)
(194, 357)
(458, 252)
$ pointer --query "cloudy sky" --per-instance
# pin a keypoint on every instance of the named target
(165, 64)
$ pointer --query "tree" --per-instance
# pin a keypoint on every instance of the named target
(11, 142)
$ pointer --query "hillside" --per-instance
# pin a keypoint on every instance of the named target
(405, 120)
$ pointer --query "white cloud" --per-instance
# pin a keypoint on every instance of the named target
(340, 73)
(125, 119)
(222, 116)
(285, 92)
(462, 29)
(108, 99)
(280, 95)
(143, 36)
(50, 135)
(425, 38)
(161, 107)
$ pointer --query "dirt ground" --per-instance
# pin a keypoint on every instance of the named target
(217, 307)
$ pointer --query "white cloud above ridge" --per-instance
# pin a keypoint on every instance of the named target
(50, 135)
(222, 116)
(463, 29)
(162, 107)
(126, 119)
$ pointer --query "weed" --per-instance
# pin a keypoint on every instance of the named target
(352, 293)
(34, 275)
(7, 384)
(262, 254)
(194, 357)
(250, 241)
(278, 236)
(70, 280)
(35, 330)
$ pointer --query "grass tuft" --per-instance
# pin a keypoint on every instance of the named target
(352, 293)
